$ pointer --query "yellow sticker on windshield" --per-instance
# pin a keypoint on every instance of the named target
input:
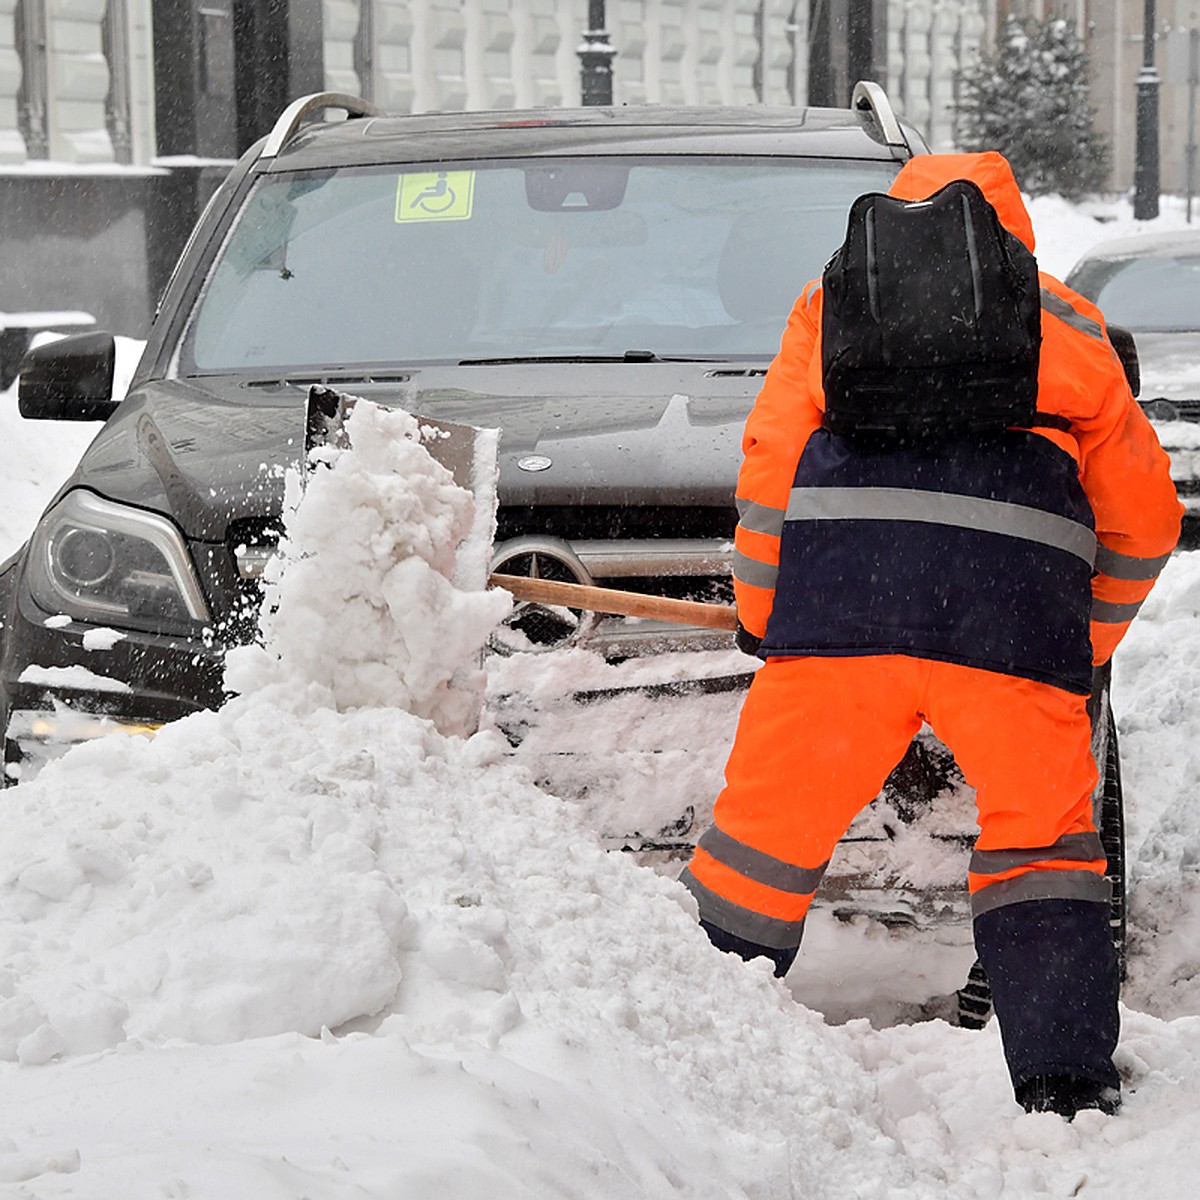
(435, 196)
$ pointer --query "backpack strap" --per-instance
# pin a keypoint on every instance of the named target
(1045, 420)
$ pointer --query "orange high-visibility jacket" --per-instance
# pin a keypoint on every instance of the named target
(1122, 470)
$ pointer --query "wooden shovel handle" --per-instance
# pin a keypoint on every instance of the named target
(610, 600)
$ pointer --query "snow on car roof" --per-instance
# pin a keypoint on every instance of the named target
(1142, 245)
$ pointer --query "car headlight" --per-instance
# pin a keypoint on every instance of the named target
(109, 564)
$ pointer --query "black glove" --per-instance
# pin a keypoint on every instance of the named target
(745, 641)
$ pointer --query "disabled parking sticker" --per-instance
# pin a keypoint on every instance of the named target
(435, 196)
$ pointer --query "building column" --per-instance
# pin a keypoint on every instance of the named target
(278, 55)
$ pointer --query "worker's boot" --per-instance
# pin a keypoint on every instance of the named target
(732, 944)
(1067, 1095)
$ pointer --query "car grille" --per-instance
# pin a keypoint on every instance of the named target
(678, 552)
(681, 553)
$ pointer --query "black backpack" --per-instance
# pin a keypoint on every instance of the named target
(932, 320)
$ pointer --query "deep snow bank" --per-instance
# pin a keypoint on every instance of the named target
(310, 858)
(222, 881)
(1156, 682)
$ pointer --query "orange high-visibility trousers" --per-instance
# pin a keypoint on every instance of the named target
(817, 738)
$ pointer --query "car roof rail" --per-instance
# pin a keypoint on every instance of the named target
(292, 117)
(869, 97)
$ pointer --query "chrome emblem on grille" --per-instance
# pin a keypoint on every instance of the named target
(534, 462)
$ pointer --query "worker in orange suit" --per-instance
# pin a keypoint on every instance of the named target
(975, 590)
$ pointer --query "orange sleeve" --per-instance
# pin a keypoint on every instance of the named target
(1125, 473)
(787, 410)
(1127, 477)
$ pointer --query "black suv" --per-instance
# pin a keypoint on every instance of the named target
(605, 285)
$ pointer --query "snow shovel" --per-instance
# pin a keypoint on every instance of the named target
(470, 456)
(616, 602)
(468, 453)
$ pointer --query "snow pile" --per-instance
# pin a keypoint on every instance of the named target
(1066, 231)
(300, 862)
(548, 1015)
(222, 882)
(1156, 682)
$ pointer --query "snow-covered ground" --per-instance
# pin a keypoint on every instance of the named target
(311, 946)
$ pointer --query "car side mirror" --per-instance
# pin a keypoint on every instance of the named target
(1123, 343)
(70, 379)
(13, 344)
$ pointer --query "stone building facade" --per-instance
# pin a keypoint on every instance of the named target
(118, 117)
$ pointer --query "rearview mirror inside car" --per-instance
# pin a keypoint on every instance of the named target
(576, 187)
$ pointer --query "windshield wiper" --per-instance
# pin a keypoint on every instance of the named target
(630, 356)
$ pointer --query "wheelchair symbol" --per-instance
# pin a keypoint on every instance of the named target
(437, 197)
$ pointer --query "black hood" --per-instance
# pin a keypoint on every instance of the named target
(215, 450)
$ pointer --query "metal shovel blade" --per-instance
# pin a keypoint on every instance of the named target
(468, 453)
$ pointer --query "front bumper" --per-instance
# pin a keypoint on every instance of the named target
(59, 690)
(37, 736)
(686, 568)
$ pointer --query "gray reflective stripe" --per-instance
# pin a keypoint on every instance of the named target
(762, 868)
(1042, 885)
(759, 518)
(751, 571)
(743, 922)
(1125, 566)
(1058, 307)
(1076, 847)
(943, 508)
(1108, 613)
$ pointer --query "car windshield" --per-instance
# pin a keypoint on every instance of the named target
(687, 257)
(1148, 295)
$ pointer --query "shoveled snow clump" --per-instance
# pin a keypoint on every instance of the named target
(376, 539)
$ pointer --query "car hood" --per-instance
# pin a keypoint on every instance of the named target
(214, 451)
(1169, 364)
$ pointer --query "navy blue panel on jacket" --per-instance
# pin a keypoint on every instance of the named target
(977, 551)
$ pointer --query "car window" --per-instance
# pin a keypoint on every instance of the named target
(683, 257)
(1146, 294)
